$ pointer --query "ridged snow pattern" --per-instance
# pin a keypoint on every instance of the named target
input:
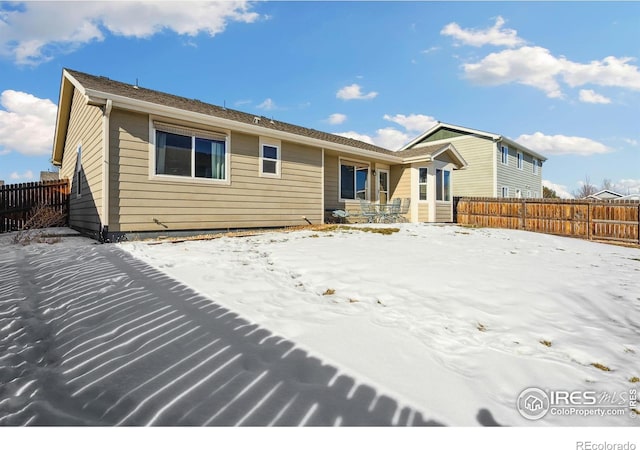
(91, 336)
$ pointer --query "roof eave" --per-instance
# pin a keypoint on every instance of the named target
(513, 143)
(122, 102)
(67, 86)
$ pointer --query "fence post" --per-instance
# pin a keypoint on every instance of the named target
(523, 215)
(589, 221)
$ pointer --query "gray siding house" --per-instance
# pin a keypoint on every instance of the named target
(497, 166)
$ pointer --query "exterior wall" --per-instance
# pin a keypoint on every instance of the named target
(332, 181)
(139, 203)
(400, 185)
(85, 129)
(476, 180)
(444, 213)
(443, 133)
(514, 178)
(423, 212)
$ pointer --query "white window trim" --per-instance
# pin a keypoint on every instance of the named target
(529, 193)
(377, 176)
(502, 191)
(535, 166)
(426, 183)
(79, 171)
(205, 134)
(520, 160)
(270, 143)
(504, 148)
(518, 193)
(435, 174)
(350, 162)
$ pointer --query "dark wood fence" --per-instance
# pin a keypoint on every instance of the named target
(593, 220)
(18, 200)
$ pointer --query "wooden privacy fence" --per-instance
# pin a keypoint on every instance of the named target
(593, 220)
(18, 200)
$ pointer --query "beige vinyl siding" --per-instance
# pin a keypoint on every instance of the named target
(331, 182)
(85, 128)
(515, 178)
(400, 183)
(142, 204)
(443, 212)
(423, 212)
(476, 180)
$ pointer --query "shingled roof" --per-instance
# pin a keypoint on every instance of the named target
(108, 86)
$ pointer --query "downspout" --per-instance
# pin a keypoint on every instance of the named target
(496, 153)
(105, 171)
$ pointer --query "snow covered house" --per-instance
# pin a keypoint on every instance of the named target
(140, 161)
(498, 166)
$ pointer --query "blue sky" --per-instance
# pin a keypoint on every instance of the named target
(562, 78)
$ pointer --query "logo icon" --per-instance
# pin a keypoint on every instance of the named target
(533, 403)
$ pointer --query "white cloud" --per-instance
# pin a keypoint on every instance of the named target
(392, 138)
(430, 50)
(357, 136)
(495, 35)
(562, 145)
(531, 66)
(389, 138)
(26, 124)
(354, 92)
(560, 189)
(537, 67)
(627, 186)
(337, 119)
(35, 31)
(267, 105)
(26, 176)
(413, 122)
(632, 142)
(590, 96)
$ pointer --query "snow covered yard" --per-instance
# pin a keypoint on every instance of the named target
(426, 326)
(453, 321)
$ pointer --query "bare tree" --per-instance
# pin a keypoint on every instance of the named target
(607, 184)
(586, 188)
(549, 193)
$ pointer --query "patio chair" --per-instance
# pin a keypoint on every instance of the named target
(404, 210)
(340, 215)
(367, 210)
(391, 212)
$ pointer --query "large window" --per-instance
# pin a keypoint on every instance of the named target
(353, 181)
(443, 185)
(422, 183)
(190, 156)
(504, 155)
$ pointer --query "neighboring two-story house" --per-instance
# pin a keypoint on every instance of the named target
(497, 166)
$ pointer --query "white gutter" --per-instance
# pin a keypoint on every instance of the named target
(105, 163)
(96, 97)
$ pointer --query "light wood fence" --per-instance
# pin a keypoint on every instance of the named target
(593, 220)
